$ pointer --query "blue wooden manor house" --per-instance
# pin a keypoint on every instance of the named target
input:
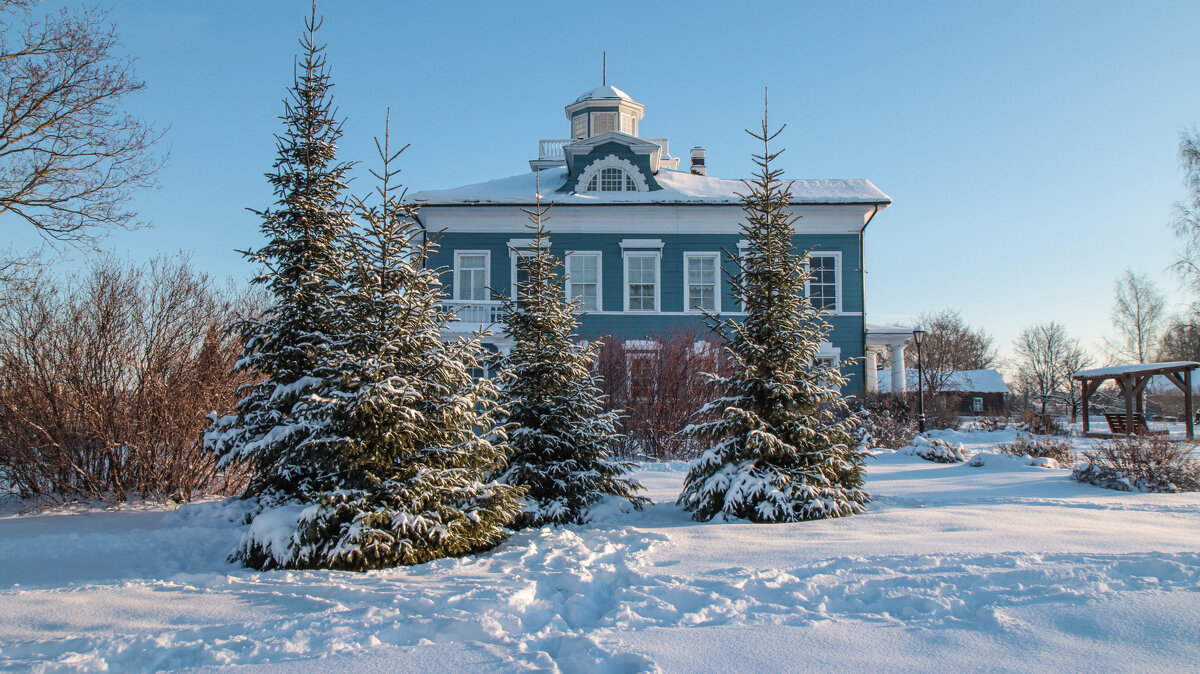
(643, 241)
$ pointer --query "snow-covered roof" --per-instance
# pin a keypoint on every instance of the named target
(963, 381)
(678, 187)
(604, 92)
(1138, 368)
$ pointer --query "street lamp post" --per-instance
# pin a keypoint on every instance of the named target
(919, 335)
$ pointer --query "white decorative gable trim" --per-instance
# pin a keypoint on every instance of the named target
(612, 161)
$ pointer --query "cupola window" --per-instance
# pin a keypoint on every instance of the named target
(611, 180)
(603, 122)
(579, 126)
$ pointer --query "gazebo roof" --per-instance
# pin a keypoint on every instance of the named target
(1140, 369)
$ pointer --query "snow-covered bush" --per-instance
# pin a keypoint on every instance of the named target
(1062, 451)
(1004, 459)
(1147, 463)
(936, 450)
(994, 423)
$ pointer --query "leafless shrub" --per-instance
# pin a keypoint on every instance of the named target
(887, 422)
(660, 385)
(1040, 447)
(1148, 463)
(996, 423)
(1041, 424)
(105, 381)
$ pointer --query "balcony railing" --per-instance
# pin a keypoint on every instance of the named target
(553, 148)
(472, 314)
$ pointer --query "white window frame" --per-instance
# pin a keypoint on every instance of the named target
(516, 248)
(626, 254)
(688, 256)
(599, 276)
(837, 277)
(743, 248)
(579, 127)
(487, 275)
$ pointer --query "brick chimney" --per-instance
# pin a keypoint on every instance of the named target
(698, 161)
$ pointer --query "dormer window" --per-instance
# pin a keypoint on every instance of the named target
(611, 180)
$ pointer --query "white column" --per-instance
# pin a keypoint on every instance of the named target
(899, 380)
(872, 370)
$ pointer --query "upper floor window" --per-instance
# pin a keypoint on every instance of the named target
(583, 279)
(579, 126)
(823, 283)
(611, 180)
(641, 281)
(701, 278)
(471, 275)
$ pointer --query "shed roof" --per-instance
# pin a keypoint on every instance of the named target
(962, 381)
(1136, 369)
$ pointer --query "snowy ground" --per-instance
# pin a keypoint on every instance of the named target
(1000, 567)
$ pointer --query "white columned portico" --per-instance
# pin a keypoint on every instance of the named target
(899, 378)
(895, 339)
(872, 356)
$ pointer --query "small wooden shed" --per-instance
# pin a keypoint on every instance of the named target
(1132, 380)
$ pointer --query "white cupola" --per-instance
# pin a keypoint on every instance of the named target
(602, 110)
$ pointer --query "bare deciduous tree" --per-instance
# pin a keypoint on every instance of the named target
(69, 157)
(1046, 358)
(1138, 312)
(950, 345)
(1180, 338)
(1186, 221)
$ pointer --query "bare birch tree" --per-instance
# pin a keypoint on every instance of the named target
(1137, 314)
(70, 158)
(1186, 221)
(1046, 357)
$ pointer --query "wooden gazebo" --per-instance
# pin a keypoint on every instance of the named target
(1132, 380)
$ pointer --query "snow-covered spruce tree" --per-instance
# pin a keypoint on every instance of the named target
(783, 446)
(410, 428)
(288, 343)
(559, 434)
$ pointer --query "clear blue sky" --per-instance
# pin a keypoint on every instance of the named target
(1030, 147)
